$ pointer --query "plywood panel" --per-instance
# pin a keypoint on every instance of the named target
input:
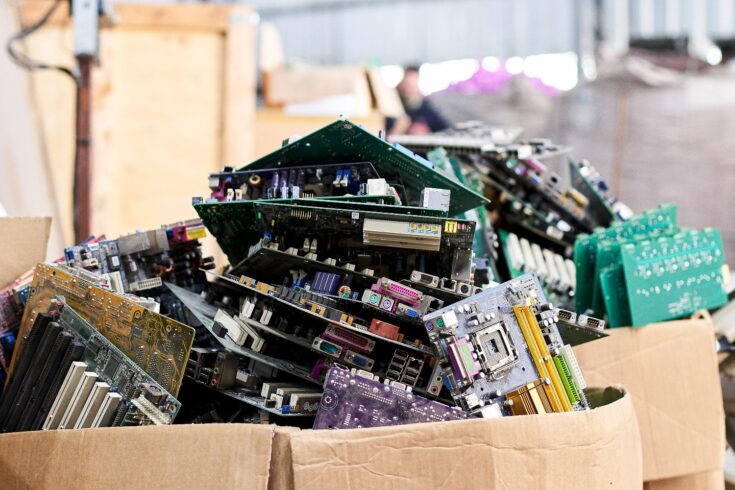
(173, 99)
(167, 135)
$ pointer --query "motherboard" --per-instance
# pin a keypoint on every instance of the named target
(71, 376)
(370, 236)
(158, 344)
(140, 262)
(355, 399)
(344, 142)
(501, 353)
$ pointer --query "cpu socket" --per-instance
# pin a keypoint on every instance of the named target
(494, 348)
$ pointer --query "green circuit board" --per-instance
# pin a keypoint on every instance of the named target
(344, 142)
(114, 367)
(386, 200)
(652, 223)
(615, 295)
(373, 207)
(239, 224)
(674, 276)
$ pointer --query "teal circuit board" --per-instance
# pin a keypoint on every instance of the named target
(674, 276)
(344, 142)
(652, 223)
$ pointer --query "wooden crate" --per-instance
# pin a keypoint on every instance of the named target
(173, 100)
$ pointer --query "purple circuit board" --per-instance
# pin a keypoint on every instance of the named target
(355, 399)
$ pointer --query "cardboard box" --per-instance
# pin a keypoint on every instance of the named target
(600, 448)
(284, 86)
(595, 449)
(352, 91)
(22, 247)
(175, 456)
(672, 374)
(709, 480)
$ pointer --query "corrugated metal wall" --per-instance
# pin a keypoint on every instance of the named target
(406, 31)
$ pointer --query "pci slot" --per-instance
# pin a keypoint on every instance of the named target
(81, 393)
(542, 358)
(402, 234)
(107, 410)
(94, 402)
(61, 403)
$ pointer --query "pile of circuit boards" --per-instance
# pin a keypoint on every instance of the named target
(89, 353)
(366, 288)
(647, 269)
(369, 284)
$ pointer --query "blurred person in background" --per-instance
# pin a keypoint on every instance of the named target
(423, 118)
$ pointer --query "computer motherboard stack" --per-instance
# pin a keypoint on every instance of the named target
(363, 289)
(368, 284)
(90, 353)
(536, 212)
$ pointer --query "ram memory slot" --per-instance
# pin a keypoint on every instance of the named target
(566, 379)
(542, 358)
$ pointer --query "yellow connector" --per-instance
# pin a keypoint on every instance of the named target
(542, 358)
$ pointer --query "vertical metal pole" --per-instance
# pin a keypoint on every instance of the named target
(83, 157)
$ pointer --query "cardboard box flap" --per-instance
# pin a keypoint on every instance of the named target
(174, 456)
(23, 246)
(511, 452)
(671, 372)
(281, 471)
(302, 84)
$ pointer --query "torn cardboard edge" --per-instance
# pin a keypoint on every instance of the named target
(519, 452)
(24, 244)
(682, 429)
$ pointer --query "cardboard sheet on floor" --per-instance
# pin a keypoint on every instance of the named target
(671, 372)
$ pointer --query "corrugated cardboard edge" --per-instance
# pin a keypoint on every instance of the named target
(281, 468)
(174, 456)
(595, 449)
(709, 480)
(23, 245)
(671, 372)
